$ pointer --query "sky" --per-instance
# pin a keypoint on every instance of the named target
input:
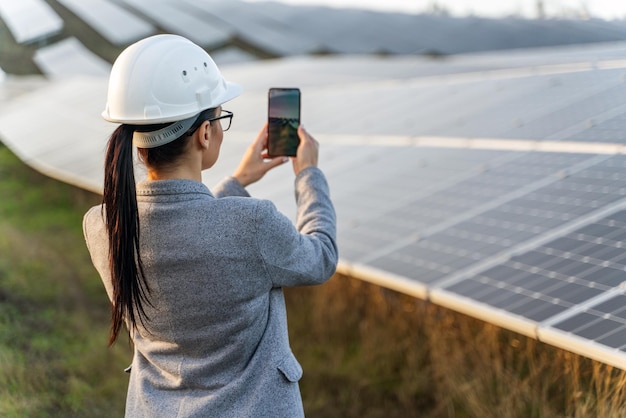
(604, 9)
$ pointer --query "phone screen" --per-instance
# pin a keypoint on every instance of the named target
(283, 121)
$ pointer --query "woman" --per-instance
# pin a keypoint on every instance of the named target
(196, 275)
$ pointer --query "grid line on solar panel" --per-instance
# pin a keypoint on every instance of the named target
(475, 117)
(370, 206)
(435, 117)
(451, 205)
(514, 115)
(603, 322)
(582, 307)
(520, 220)
(520, 232)
(552, 296)
(566, 272)
(603, 128)
(615, 308)
(556, 121)
(526, 114)
(525, 302)
(366, 235)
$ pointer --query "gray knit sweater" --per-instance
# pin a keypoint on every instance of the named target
(216, 343)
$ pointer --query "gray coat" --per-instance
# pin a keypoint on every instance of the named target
(216, 344)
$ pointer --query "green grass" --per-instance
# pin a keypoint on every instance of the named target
(54, 359)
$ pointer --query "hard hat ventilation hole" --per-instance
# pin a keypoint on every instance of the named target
(176, 129)
(184, 72)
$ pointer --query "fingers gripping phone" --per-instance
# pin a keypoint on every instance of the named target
(283, 120)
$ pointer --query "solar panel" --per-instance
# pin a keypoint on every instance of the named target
(68, 58)
(180, 20)
(114, 23)
(231, 55)
(603, 96)
(30, 20)
(604, 323)
(66, 154)
(260, 30)
(607, 130)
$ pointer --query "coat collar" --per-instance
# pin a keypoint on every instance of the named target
(180, 188)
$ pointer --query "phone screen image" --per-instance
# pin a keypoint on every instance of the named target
(283, 121)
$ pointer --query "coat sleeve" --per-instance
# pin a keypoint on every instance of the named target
(230, 187)
(307, 253)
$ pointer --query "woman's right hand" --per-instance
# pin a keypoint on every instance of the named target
(255, 162)
(308, 151)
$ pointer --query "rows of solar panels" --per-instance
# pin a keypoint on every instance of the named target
(493, 184)
(237, 31)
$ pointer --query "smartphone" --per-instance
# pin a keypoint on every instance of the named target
(283, 116)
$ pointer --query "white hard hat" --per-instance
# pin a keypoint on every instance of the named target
(164, 78)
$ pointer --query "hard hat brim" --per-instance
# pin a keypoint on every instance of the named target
(232, 91)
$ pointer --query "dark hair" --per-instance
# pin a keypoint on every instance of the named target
(130, 288)
(122, 223)
(164, 155)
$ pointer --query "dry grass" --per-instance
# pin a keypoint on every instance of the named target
(370, 352)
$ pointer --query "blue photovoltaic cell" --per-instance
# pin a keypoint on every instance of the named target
(616, 339)
(604, 323)
(615, 306)
(565, 272)
(594, 98)
(611, 130)
(469, 241)
(510, 224)
(576, 322)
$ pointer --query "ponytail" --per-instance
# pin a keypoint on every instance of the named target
(122, 223)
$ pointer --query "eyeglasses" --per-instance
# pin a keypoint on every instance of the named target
(225, 119)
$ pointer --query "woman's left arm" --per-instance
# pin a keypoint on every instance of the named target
(307, 253)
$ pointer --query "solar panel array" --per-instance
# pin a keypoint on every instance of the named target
(70, 58)
(30, 20)
(116, 24)
(492, 184)
(270, 29)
